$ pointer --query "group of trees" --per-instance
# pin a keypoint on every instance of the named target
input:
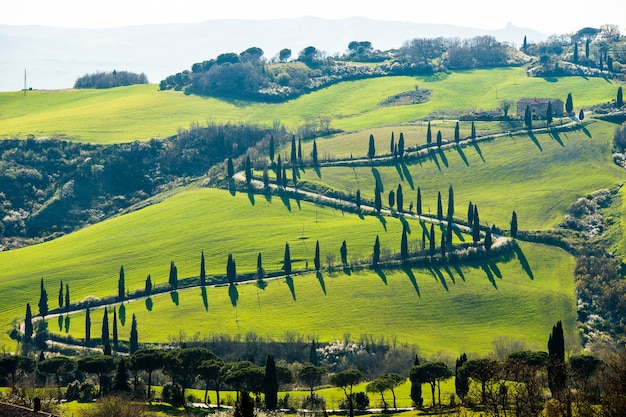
(110, 79)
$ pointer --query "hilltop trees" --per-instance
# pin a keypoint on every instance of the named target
(110, 79)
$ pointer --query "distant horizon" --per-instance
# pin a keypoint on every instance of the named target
(541, 16)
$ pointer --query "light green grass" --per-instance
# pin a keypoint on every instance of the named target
(537, 180)
(454, 309)
(142, 112)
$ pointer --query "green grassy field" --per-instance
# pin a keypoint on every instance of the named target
(142, 112)
(538, 176)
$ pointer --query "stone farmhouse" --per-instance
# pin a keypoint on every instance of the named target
(539, 106)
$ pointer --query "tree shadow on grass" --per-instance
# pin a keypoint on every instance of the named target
(400, 173)
(261, 283)
(205, 299)
(436, 273)
(122, 314)
(382, 221)
(489, 274)
(318, 172)
(557, 137)
(405, 224)
(534, 139)
(67, 323)
(285, 199)
(459, 271)
(458, 233)
(433, 157)
(381, 274)
(478, 151)
(233, 294)
(407, 175)
(320, 278)
(450, 274)
(442, 155)
(459, 149)
(524, 262)
(149, 304)
(175, 299)
(494, 267)
(587, 132)
(251, 194)
(409, 272)
(289, 282)
(379, 181)
(231, 187)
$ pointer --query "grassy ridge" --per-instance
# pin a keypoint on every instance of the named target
(142, 112)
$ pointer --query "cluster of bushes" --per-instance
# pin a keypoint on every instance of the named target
(110, 79)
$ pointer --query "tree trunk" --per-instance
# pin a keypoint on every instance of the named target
(432, 389)
(150, 387)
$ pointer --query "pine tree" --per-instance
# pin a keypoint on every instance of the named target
(270, 384)
(473, 131)
(61, 294)
(121, 285)
(67, 297)
(230, 169)
(121, 377)
(28, 323)
(569, 104)
(619, 101)
(317, 259)
(418, 204)
(399, 199)
(429, 134)
(294, 154)
(549, 114)
(173, 280)
(43, 300)
(148, 286)
(272, 148)
(514, 225)
(439, 206)
(432, 239)
(376, 253)
(457, 133)
(371, 151)
(343, 251)
(287, 260)
(202, 270)
(401, 145)
(488, 240)
(115, 340)
(134, 338)
(439, 139)
(450, 203)
(87, 326)
(404, 245)
(528, 120)
(314, 153)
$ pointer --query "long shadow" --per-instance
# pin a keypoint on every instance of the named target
(587, 132)
(379, 180)
(442, 155)
(494, 267)
(478, 151)
(250, 195)
(535, 141)
(298, 199)
(67, 323)
(409, 272)
(261, 283)
(489, 274)
(381, 274)
(149, 304)
(233, 294)
(405, 224)
(524, 262)
(318, 172)
(450, 274)
(459, 271)
(557, 137)
(231, 187)
(382, 221)
(407, 175)
(399, 170)
(436, 273)
(268, 196)
(458, 233)
(320, 278)
(205, 299)
(285, 199)
(433, 157)
(425, 229)
(289, 282)
(122, 314)
(459, 149)
(346, 270)
(174, 296)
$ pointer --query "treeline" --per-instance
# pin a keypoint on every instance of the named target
(248, 76)
(53, 187)
(110, 79)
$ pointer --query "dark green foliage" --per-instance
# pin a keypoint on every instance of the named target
(314, 153)
(270, 384)
(43, 300)
(300, 150)
(432, 373)
(313, 360)
(173, 394)
(115, 339)
(575, 57)
(173, 278)
(391, 199)
(344, 253)
(481, 371)
(266, 178)
(476, 225)
(230, 169)
(358, 199)
(202, 270)
(311, 375)
(457, 133)
(110, 79)
(392, 145)
(378, 205)
(244, 406)
(557, 370)
(524, 44)
(272, 148)
(371, 150)
(429, 134)
(284, 177)
(442, 246)
(97, 364)
(450, 203)
(60, 294)
(148, 286)
(248, 170)
(105, 327)
(120, 384)
(488, 240)
(404, 245)
(15, 367)
(439, 139)
(528, 119)
(376, 253)
(449, 230)
(87, 326)
(148, 360)
(461, 379)
(418, 205)
(279, 172)
(316, 259)
(231, 269)
(346, 381)
(287, 260)
(399, 199)
(473, 131)
(549, 114)
(569, 104)
(432, 239)
(67, 297)
(581, 115)
(619, 101)
(401, 145)
(121, 285)
(416, 388)
(28, 323)
(514, 224)
(260, 272)
(470, 214)
(439, 206)
(294, 154)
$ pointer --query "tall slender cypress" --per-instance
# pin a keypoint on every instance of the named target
(43, 300)
(401, 145)
(399, 199)
(67, 297)
(202, 270)
(300, 150)
(270, 384)
(476, 225)
(371, 150)
(272, 148)
(173, 279)
(87, 326)
(470, 214)
(404, 245)
(432, 239)
(439, 206)
(287, 260)
(429, 134)
(376, 254)
(418, 205)
(115, 340)
(317, 260)
(61, 298)
(294, 154)
(28, 322)
(121, 285)
(314, 153)
(514, 224)
(450, 203)
(134, 337)
(105, 327)
(457, 133)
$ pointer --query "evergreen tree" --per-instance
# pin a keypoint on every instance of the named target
(105, 327)
(300, 150)
(121, 377)
(87, 326)
(416, 388)
(371, 151)
(392, 199)
(293, 150)
(134, 338)
(569, 104)
(418, 205)
(587, 48)
(423, 239)
(524, 45)
(61, 294)
(581, 115)
(429, 134)
(202, 270)
(266, 178)
(399, 199)
(442, 246)
(514, 225)
(575, 53)
(401, 145)
(287, 260)
(450, 203)
(432, 239)
(404, 245)
(476, 225)
(106, 349)
(279, 171)
(461, 379)
(619, 101)
(148, 286)
(272, 148)
(470, 214)
(378, 205)
(392, 145)
(230, 169)
(28, 323)
(473, 131)
(439, 206)
(449, 230)
(284, 177)
(439, 139)
(557, 370)
(358, 199)
(115, 339)
(231, 269)
(248, 170)
(314, 153)
(376, 254)
(343, 251)
(67, 297)
(528, 119)
(270, 384)
(260, 271)
(457, 133)
(121, 285)
(43, 300)
(316, 259)
(549, 114)
(313, 354)
(173, 280)
(488, 240)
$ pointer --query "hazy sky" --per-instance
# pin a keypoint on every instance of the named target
(543, 15)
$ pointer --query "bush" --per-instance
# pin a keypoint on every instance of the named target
(83, 393)
(173, 394)
(115, 406)
(314, 402)
(360, 400)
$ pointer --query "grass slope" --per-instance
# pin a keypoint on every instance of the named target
(142, 112)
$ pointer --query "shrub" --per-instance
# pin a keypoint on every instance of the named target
(173, 394)
(115, 406)
(361, 401)
(314, 402)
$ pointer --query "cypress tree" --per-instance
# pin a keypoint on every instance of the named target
(576, 53)
(416, 388)
(581, 115)
(450, 203)
(488, 240)
(439, 206)
(392, 145)
(28, 323)
(399, 199)
(115, 340)
(314, 153)
(432, 239)
(439, 139)
(569, 104)
(378, 204)
(284, 177)
(423, 239)
(148, 286)
(473, 131)
(470, 214)
(106, 350)
(449, 229)
(270, 384)
(524, 45)
(442, 248)
(105, 327)
(404, 245)
(461, 379)
(300, 150)
(260, 272)
(587, 48)
(287, 260)
(202, 270)
(61, 294)
(230, 169)
(134, 338)
(121, 377)
(619, 100)
(429, 134)
(344, 253)
(401, 145)
(457, 133)
(418, 205)
(67, 297)
(376, 254)
(313, 354)
(371, 151)
(557, 370)
(549, 114)
(231, 269)
(392, 199)
(87, 326)
(272, 148)
(173, 280)
(514, 224)
(358, 199)
(476, 225)
(279, 171)
(293, 149)
(43, 300)
(121, 292)
(317, 260)
(528, 120)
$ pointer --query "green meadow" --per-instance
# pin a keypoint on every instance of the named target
(142, 112)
